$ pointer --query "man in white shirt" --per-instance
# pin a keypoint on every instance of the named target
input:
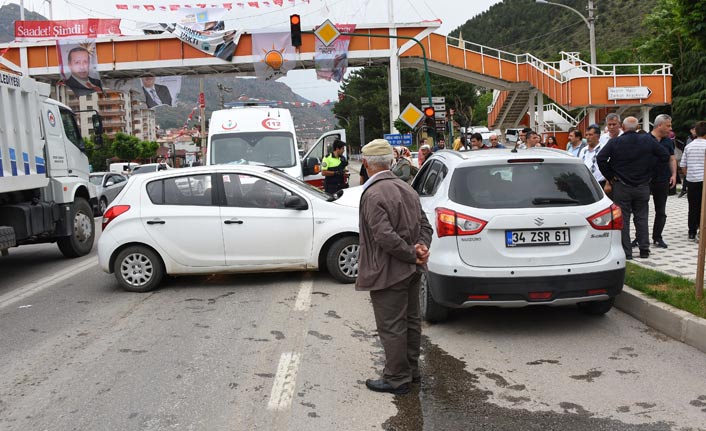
(590, 151)
(692, 164)
(612, 122)
(575, 144)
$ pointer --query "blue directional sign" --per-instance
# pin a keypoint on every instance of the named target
(396, 139)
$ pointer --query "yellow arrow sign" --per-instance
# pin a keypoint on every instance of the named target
(327, 33)
(411, 115)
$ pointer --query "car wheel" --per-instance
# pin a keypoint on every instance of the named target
(342, 259)
(430, 310)
(103, 205)
(138, 269)
(597, 308)
(83, 231)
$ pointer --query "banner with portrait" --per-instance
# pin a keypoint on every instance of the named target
(152, 90)
(213, 39)
(331, 61)
(78, 65)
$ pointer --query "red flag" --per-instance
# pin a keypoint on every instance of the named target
(278, 2)
(201, 5)
(149, 7)
(254, 4)
(266, 3)
(228, 6)
(121, 6)
(173, 7)
(162, 8)
(240, 5)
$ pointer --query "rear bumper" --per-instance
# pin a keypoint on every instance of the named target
(567, 289)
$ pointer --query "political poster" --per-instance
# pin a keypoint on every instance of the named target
(273, 54)
(331, 61)
(78, 65)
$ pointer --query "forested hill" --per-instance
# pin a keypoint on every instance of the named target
(521, 26)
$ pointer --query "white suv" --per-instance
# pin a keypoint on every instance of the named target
(514, 229)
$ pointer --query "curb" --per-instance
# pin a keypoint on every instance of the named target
(678, 324)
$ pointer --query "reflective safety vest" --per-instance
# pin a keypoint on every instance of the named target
(334, 183)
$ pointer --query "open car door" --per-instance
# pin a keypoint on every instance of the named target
(311, 163)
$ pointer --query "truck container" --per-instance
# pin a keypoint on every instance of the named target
(45, 192)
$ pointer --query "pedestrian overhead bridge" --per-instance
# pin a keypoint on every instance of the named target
(520, 79)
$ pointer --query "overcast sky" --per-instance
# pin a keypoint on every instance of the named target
(452, 13)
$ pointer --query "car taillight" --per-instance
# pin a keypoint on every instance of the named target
(451, 223)
(113, 212)
(610, 218)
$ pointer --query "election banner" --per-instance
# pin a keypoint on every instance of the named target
(152, 90)
(219, 43)
(331, 61)
(89, 28)
(274, 54)
(78, 65)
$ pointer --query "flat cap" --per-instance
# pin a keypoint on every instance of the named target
(425, 147)
(377, 147)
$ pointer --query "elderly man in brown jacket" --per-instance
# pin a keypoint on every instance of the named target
(394, 246)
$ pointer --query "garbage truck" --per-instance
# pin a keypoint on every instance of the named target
(45, 192)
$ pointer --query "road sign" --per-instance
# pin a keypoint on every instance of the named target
(623, 93)
(327, 33)
(411, 115)
(396, 139)
(434, 100)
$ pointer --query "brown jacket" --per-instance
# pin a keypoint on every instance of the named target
(391, 223)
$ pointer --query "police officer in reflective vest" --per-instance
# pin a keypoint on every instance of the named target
(333, 168)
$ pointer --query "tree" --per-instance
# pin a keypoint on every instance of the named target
(148, 149)
(97, 155)
(126, 147)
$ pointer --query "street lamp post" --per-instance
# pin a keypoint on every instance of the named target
(590, 22)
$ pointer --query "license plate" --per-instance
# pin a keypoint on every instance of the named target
(521, 238)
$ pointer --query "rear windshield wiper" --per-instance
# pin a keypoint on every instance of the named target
(550, 201)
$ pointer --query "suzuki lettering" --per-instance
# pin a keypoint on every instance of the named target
(271, 124)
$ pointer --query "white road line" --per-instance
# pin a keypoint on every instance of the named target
(285, 382)
(304, 296)
(43, 283)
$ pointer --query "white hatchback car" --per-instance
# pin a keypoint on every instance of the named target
(245, 219)
(514, 229)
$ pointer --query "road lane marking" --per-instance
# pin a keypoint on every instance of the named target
(304, 297)
(285, 382)
(43, 283)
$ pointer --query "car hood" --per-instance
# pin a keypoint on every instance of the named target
(350, 197)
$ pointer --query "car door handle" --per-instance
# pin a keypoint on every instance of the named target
(233, 221)
(156, 222)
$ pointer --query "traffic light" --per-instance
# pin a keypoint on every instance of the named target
(295, 23)
(429, 112)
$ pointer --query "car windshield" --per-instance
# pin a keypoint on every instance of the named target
(524, 185)
(275, 149)
(96, 179)
(311, 189)
(144, 169)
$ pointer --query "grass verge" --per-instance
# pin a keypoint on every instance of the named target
(675, 291)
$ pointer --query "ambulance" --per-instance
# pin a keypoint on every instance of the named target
(265, 135)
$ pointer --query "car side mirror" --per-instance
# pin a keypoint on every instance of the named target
(311, 166)
(295, 202)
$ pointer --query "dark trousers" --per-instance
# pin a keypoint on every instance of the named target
(399, 325)
(633, 200)
(693, 193)
(660, 192)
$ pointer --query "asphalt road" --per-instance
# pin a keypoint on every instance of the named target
(291, 351)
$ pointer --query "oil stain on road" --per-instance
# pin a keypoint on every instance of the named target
(450, 398)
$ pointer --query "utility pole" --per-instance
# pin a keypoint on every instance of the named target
(202, 105)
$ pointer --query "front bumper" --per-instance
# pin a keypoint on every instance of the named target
(456, 292)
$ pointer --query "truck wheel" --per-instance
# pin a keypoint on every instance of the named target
(597, 308)
(80, 242)
(138, 269)
(342, 259)
(430, 310)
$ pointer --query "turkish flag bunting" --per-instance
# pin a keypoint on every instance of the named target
(173, 7)
(149, 6)
(278, 2)
(254, 4)
(228, 6)
(121, 6)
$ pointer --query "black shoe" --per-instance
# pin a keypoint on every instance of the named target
(634, 244)
(692, 237)
(382, 386)
(628, 257)
(644, 254)
(660, 243)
